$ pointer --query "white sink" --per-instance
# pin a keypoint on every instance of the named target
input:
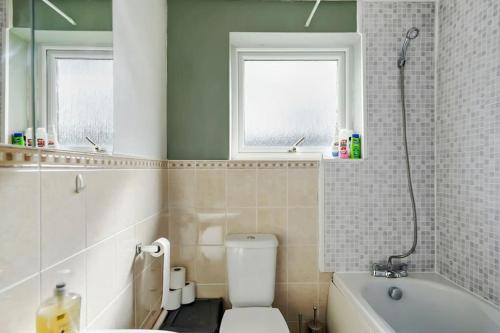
(128, 331)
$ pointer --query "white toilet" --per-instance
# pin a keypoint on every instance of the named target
(251, 270)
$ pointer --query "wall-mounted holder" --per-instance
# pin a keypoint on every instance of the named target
(79, 183)
(139, 248)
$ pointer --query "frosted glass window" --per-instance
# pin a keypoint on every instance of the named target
(284, 100)
(83, 101)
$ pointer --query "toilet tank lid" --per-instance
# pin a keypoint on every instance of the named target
(249, 241)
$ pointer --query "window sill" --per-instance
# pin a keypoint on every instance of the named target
(277, 156)
(330, 159)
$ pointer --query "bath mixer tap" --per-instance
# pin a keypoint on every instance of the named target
(395, 271)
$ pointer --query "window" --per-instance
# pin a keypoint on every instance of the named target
(285, 87)
(285, 97)
(80, 97)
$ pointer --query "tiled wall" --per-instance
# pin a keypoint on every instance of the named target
(367, 207)
(468, 145)
(47, 228)
(3, 21)
(209, 199)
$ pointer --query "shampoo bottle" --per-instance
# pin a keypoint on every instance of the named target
(355, 146)
(60, 313)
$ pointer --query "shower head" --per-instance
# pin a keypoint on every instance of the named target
(412, 33)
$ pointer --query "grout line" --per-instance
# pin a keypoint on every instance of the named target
(19, 282)
(40, 224)
(436, 82)
(110, 304)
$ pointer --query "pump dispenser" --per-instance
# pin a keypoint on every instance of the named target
(60, 313)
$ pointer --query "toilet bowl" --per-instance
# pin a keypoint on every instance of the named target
(251, 272)
(251, 320)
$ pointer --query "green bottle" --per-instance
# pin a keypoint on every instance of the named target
(355, 147)
(18, 139)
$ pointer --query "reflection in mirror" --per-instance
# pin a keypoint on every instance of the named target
(74, 74)
(16, 111)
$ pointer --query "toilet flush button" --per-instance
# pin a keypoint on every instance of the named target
(251, 237)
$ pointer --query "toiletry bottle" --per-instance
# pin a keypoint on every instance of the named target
(343, 150)
(60, 313)
(52, 138)
(18, 139)
(344, 136)
(335, 143)
(41, 137)
(355, 146)
(29, 137)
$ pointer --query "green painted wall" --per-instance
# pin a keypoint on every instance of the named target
(198, 62)
(90, 15)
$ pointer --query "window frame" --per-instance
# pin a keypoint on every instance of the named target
(347, 44)
(49, 96)
(243, 55)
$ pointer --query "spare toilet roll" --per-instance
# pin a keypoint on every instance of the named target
(177, 277)
(164, 246)
(188, 292)
(174, 299)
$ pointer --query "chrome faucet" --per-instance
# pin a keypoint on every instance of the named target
(394, 271)
(293, 148)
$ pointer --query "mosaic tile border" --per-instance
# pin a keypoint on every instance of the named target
(244, 164)
(29, 157)
(18, 157)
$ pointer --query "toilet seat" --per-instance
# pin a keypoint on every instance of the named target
(252, 320)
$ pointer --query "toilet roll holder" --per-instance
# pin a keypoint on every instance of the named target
(139, 248)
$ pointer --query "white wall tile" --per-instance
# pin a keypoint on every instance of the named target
(123, 309)
(101, 207)
(125, 243)
(18, 307)
(63, 216)
(101, 288)
(19, 225)
(127, 198)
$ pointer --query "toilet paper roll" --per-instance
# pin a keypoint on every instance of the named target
(188, 292)
(164, 246)
(174, 299)
(177, 277)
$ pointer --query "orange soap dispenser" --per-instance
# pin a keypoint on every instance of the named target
(60, 313)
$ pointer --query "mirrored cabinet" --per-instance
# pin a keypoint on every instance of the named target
(57, 85)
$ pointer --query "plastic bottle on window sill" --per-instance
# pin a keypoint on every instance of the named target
(344, 137)
(355, 146)
(28, 137)
(335, 143)
(18, 139)
(41, 137)
(52, 138)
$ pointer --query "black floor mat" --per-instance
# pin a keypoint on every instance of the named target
(204, 315)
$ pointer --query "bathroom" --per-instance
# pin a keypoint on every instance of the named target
(289, 155)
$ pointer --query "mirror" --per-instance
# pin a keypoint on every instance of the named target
(72, 74)
(16, 110)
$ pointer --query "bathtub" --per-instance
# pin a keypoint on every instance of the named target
(358, 303)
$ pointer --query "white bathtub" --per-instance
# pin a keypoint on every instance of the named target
(360, 303)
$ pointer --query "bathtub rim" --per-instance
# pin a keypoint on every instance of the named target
(351, 284)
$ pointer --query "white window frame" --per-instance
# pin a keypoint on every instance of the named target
(49, 54)
(343, 47)
(285, 55)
